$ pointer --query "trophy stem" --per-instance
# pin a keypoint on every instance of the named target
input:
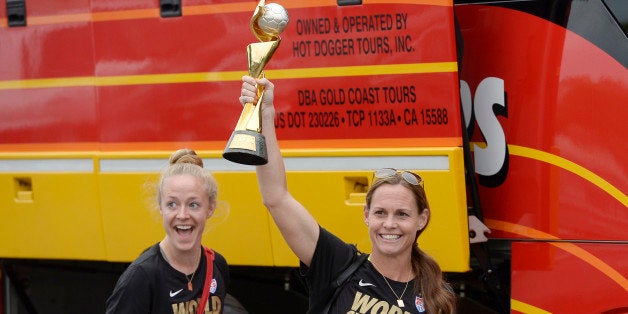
(247, 112)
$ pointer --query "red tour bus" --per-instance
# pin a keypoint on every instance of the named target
(513, 113)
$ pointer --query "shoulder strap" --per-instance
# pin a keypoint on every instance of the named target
(209, 256)
(343, 277)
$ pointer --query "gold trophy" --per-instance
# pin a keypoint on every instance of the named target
(247, 144)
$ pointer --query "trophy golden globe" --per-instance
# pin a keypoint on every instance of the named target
(247, 145)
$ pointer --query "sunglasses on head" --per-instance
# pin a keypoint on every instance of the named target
(408, 176)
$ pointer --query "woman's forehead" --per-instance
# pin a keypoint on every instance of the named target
(182, 181)
(396, 194)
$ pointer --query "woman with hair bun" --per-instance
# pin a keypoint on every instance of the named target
(173, 276)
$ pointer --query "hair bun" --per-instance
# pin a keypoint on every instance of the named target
(186, 155)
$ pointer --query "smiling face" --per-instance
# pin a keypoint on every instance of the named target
(184, 206)
(393, 220)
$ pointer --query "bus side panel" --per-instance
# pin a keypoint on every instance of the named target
(571, 270)
(155, 74)
(44, 212)
(353, 82)
(548, 108)
(113, 84)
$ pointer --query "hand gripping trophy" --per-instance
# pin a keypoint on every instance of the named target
(247, 145)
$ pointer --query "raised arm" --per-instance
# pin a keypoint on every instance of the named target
(298, 227)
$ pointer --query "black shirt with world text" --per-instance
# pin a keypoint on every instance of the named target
(365, 291)
(151, 285)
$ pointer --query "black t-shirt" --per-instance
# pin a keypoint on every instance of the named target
(151, 285)
(365, 291)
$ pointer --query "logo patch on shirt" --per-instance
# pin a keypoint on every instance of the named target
(172, 294)
(213, 286)
(418, 301)
(365, 284)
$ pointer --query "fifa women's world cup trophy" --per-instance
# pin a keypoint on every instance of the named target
(247, 145)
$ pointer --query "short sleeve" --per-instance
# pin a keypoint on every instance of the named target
(130, 293)
(330, 258)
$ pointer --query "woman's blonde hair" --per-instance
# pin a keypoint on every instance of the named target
(186, 161)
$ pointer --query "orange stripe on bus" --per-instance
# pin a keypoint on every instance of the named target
(124, 15)
(570, 166)
(220, 145)
(21, 148)
(57, 19)
(219, 8)
(373, 143)
(168, 146)
(172, 78)
(568, 247)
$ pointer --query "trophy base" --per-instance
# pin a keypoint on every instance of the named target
(247, 148)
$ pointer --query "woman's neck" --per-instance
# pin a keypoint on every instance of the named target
(395, 268)
(183, 261)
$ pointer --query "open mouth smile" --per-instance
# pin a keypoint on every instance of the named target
(184, 229)
(390, 236)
